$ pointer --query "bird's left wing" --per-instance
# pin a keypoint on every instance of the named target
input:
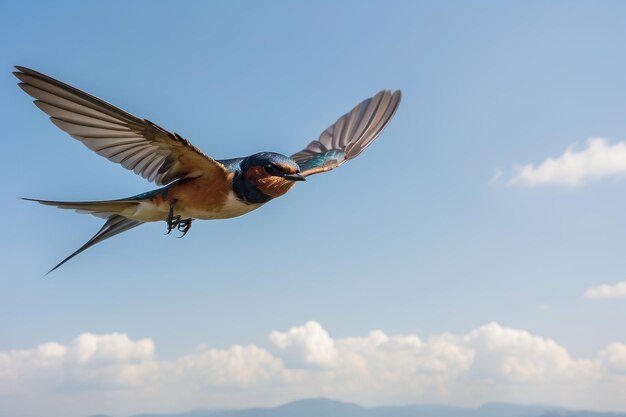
(137, 144)
(350, 134)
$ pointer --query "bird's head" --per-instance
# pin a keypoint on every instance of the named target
(271, 173)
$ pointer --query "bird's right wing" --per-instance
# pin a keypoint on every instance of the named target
(137, 144)
(350, 135)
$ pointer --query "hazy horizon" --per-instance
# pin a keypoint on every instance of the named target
(331, 408)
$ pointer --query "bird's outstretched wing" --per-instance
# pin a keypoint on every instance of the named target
(350, 134)
(137, 144)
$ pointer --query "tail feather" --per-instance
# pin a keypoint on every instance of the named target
(102, 209)
(114, 225)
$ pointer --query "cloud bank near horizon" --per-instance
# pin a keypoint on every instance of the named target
(115, 374)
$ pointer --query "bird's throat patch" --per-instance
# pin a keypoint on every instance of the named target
(270, 185)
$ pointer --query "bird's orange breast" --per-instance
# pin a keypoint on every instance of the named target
(201, 198)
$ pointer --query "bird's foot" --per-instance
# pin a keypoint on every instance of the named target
(184, 226)
(172, 224)
(171, 220)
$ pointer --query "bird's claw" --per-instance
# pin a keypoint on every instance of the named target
(184, 226)
(175, 222)
(172, 223)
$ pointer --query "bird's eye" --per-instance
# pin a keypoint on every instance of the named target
(270, 169)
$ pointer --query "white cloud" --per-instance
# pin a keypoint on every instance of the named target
(308, 345)
(92, 349)
(607, 291)
(89, 361)
(237, 366)
(599, 159)
(115, 374)
(512, 355)
(614, 357)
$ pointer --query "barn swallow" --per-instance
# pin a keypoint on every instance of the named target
(195, 186)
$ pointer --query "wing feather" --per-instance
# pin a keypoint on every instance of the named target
(78, 118)
(137, 144)
(350, 135)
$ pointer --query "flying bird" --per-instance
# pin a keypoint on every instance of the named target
(195, 186)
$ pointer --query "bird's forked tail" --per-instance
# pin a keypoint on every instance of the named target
(115, 224)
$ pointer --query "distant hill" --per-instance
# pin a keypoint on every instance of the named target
(329, 408)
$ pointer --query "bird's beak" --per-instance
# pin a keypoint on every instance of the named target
(294, 177)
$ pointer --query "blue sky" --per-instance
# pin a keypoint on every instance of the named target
(415, 237)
